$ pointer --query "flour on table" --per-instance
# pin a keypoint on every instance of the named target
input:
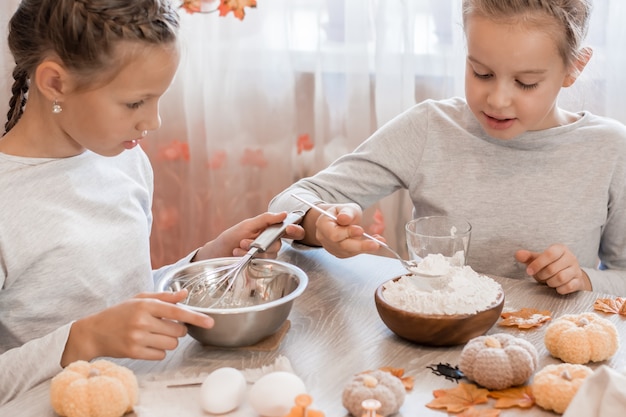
(460, 291)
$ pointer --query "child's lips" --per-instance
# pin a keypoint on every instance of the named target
(498, 118)
(130, 144)
(499, 122)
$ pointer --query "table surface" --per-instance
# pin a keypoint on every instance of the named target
(336, 332)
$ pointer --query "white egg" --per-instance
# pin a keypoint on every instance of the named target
(223, 390)
(273, 394)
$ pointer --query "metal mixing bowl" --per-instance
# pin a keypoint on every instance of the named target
(253, 309)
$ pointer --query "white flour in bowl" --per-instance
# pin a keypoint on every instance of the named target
(461, 291)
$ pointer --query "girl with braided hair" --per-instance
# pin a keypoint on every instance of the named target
(76, 190)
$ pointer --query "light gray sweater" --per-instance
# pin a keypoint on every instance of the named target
(561, 185)
(74, 239)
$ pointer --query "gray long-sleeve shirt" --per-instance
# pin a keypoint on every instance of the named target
(563, 185)
(74, 239)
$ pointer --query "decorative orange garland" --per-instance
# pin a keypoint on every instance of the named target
(225, 7)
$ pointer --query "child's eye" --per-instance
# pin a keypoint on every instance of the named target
(527, 86)
(134, 106)
(482, 76)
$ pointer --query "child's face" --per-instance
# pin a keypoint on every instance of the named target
(513, 76)
(109, 119)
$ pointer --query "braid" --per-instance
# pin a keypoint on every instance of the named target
(89, 29)
(18, 99)
(83, 35)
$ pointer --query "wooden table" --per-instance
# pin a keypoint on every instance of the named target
(336, 332)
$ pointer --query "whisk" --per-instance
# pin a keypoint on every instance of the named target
(209, 282)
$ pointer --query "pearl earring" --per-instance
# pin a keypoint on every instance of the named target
(144, 133)
(56, 107)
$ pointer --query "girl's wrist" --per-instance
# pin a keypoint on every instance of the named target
(78, 345)
(205, 252)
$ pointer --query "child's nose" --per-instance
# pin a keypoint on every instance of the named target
(499, 97)
(151, 120)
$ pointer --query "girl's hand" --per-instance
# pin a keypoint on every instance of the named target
(557, 267)
(343, 238)
(144, 327)
(236, 240)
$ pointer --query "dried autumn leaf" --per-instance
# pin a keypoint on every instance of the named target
(458, 399)
(611, 305)
(521, 397)
(407, 381)
(525, 318)
(483, 412)
(235, 6)
(393, 371)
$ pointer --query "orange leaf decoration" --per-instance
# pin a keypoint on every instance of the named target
(525, 318)
(192, 6)
(235, 6)
(611, 305)
(475, 412)
(217, 160)
(253, 157)
(175, 150)
(459, 399)
(407, 381)
(304, 143)
(521, 397)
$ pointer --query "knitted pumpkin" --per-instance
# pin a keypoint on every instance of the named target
(376, 385)
(498, 361)
(554, 386)
(581, 338)
(98, 389)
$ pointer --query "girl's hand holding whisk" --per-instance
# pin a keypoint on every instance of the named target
(144, 327)
(236, 240)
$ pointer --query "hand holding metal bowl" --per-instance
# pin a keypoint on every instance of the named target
(256, 306)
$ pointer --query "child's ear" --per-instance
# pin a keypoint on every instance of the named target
(578, 66)
(51, 79)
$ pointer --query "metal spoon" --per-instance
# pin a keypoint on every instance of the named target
(410, 266)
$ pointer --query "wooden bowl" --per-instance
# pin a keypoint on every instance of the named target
(436, 329)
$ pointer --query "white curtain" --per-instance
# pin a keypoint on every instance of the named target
(261, 102)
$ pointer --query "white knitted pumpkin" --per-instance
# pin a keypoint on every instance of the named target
(498, 361)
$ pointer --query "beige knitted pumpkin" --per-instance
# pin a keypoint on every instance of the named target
(98, 389)
(554, 386)
(582, 338)
(498, 361)
(377, 385)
